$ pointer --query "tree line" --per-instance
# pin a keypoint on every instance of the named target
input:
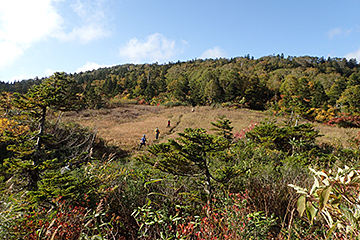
(313, 87)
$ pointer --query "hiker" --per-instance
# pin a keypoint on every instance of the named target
(142, 141)
(157, 132)
(168, 125)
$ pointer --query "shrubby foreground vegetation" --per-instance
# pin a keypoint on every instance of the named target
(272, 181)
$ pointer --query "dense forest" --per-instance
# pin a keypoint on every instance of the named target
(272, 181)
(314, 87)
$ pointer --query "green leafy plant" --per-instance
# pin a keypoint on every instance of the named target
(157, 224)
(333, 198)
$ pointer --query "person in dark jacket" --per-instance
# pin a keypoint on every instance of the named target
(157, 133)
(142, 141)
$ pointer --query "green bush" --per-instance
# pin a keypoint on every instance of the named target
(334, 200)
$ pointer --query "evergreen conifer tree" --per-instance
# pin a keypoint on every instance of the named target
(33, 155)
(196, 154)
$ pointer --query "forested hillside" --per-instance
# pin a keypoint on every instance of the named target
(313, 87)
(269, 180)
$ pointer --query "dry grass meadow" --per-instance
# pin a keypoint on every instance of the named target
(124, 126)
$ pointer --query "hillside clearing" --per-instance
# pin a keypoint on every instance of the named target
(124, 126)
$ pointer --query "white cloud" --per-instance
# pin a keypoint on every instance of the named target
(24, 23)
(49, 72)
(84, 33)
(21, 77)
(92, 20)
(156, 48)
(215, 52)
(355, 54)
(91, 66)
(334, 32)
(9, 52)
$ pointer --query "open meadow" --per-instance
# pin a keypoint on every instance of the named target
(124, 126)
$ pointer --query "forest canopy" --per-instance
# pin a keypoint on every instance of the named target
(314, 87)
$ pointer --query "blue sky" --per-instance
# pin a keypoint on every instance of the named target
(40, 37)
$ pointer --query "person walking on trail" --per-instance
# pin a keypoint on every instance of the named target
(157, 132)
(142, 141)
(168, 124)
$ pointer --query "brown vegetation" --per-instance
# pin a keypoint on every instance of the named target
(124, 126)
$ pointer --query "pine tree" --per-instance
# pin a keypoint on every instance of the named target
(223, 128)
(32, 155)
(194, 153)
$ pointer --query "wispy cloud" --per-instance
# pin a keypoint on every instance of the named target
(92, 22)
(334, 32)
(155, 48)
(215, 52)
(355, 54)
(84, 34)
(21, 77)
(91, 66)
(24, 23)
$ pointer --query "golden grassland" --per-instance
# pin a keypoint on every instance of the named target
(124, 126)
